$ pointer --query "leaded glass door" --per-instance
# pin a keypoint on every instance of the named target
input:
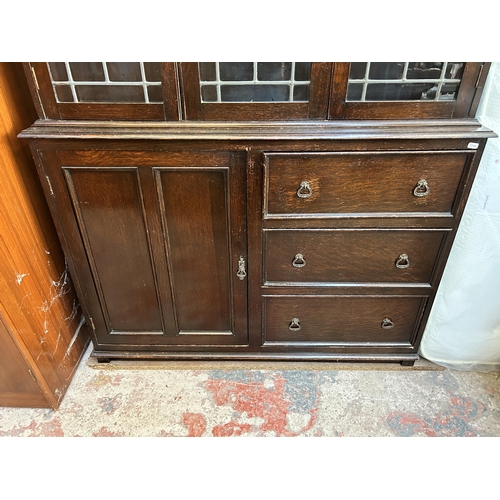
(106, 90)
(255, 90)
(405, 90)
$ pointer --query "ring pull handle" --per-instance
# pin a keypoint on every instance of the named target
(241, 273)
(422, 188)
(299, 261)
(403, 261)
(304, 190)
(387, 324)
(294, 325)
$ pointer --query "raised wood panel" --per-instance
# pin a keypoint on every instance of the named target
(204, 237)
(374, 183)
(343, 256)
(109, 209)
(344, 320)
(197, 226)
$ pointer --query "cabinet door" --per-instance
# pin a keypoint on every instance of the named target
(255, 90)
(104, 90)
(161, 244)
(406, 90)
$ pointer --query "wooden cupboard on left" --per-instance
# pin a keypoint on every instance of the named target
(43, 334)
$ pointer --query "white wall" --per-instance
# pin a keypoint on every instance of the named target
(463, 331)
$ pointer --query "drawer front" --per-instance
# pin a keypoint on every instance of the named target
(342, 319)
(343, 255)
(307, 184)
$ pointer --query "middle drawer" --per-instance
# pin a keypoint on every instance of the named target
(350, 255)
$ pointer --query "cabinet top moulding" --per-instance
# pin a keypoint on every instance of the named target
(258, 131)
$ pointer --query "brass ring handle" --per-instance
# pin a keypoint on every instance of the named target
(294, 325)
(241, 273)
(387, 324)
(422, 188)
(403, 261)
(304, 190)
(299, 261)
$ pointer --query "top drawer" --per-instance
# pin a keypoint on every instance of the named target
(322, 185)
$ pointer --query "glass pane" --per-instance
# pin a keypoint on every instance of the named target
(124, 72)
(207, 71)
(448, 92)
(254, 93)
(87, 71)
(454, 70)
(242, 71)
(271, 71)
(64, 94)
(386, 70)
(154, 93)
(426, 70)
(58, 72)
(400, 92)
(357, 71)
(302, 71)
(354, 92)
(152, 71)
(301, 93)
(209, 93)
(110, 93)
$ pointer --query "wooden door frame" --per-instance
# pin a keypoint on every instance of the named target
(47, 106)
(316, 108)
(472, 83)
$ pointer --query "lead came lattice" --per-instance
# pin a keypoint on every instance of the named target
(254, 82)
(99, 86)
(404, 81)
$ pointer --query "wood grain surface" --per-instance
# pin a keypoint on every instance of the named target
(347, 319)
(362, 183)
(38, 303)
(351, 255)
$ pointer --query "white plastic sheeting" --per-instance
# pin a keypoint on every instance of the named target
(463, 331)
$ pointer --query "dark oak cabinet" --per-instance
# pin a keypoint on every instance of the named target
(257, 210)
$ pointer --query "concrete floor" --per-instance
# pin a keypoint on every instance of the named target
(164, 399)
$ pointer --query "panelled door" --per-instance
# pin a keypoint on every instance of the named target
(159, 244)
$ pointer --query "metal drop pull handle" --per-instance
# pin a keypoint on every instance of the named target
(294, 325)
(422, 188)
(304, 190)
(403, 261)
(299, 261)
(387, 324)
(241, 273)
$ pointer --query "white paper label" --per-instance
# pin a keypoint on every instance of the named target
(473, 145)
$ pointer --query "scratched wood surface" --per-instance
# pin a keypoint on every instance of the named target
(37, 301)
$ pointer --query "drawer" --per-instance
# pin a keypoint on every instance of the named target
(350, 255)
(342, 319)
(362, 183)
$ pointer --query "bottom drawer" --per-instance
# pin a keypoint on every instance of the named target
(326, 319)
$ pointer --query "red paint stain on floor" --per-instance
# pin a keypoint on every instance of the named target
(195, 423)
(52, 428)
(453, 422)
(105, 432)
(255, 400)
(230, 429)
